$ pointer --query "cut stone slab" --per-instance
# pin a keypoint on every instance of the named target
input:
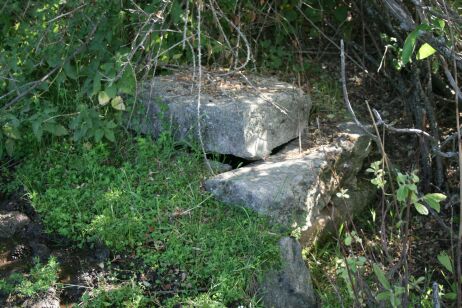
(246, 118)
(294, 188)
(291, 286)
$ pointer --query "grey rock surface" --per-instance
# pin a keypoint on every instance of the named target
(244, 119)
(218, 167)
(360, 193)
(11, 223)
(47, 300)
(294, 188)
(290, 286)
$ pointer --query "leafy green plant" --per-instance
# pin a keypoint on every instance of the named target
(425, 49)
(128, 295)
(41, 278)
(407, 192)
(147, 200)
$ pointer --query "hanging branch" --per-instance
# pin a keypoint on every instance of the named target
(346, 100)
(399, 12)
(436, 149)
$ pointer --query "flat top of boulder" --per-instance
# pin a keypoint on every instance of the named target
(217, 85)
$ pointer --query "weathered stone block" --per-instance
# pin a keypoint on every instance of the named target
(294, 188)
(238, 118)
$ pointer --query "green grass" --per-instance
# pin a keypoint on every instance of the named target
(145, 197)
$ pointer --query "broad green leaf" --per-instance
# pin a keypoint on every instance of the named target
(110, 124)
(118, 103)
(96, 84)
(109, 134)
(452, 296)
(111, 91)
(383, 296)
(421, 208)
(401, 178)
(177, 56)
(103, 98)
(99, 133)
(37, 129)
(402, 193)
(444, 259)
(55, 129)
(425, 51)
(381, 276)
(399, 290)
(10, 145)
(408, 48)
(53, 59)
(11, 132)
(127, 82)
(348, 240)
(434, 200)
(70, 71)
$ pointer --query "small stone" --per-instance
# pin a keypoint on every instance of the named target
(11, 223)
(40, 251)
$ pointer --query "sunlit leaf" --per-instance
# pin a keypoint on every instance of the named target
(103, 98)
(118, 103)
(421, 208)
(425, 51)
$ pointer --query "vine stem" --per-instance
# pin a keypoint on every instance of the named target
(199, 84)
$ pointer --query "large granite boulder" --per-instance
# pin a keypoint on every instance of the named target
(293, 188)
(247, 118)
(291, 286)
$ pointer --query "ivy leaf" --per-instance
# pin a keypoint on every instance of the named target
(434, 200)
(444, 259)
(381, 276)
(425, 51)
(103, 98)
(421, 208)
(118, 103)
